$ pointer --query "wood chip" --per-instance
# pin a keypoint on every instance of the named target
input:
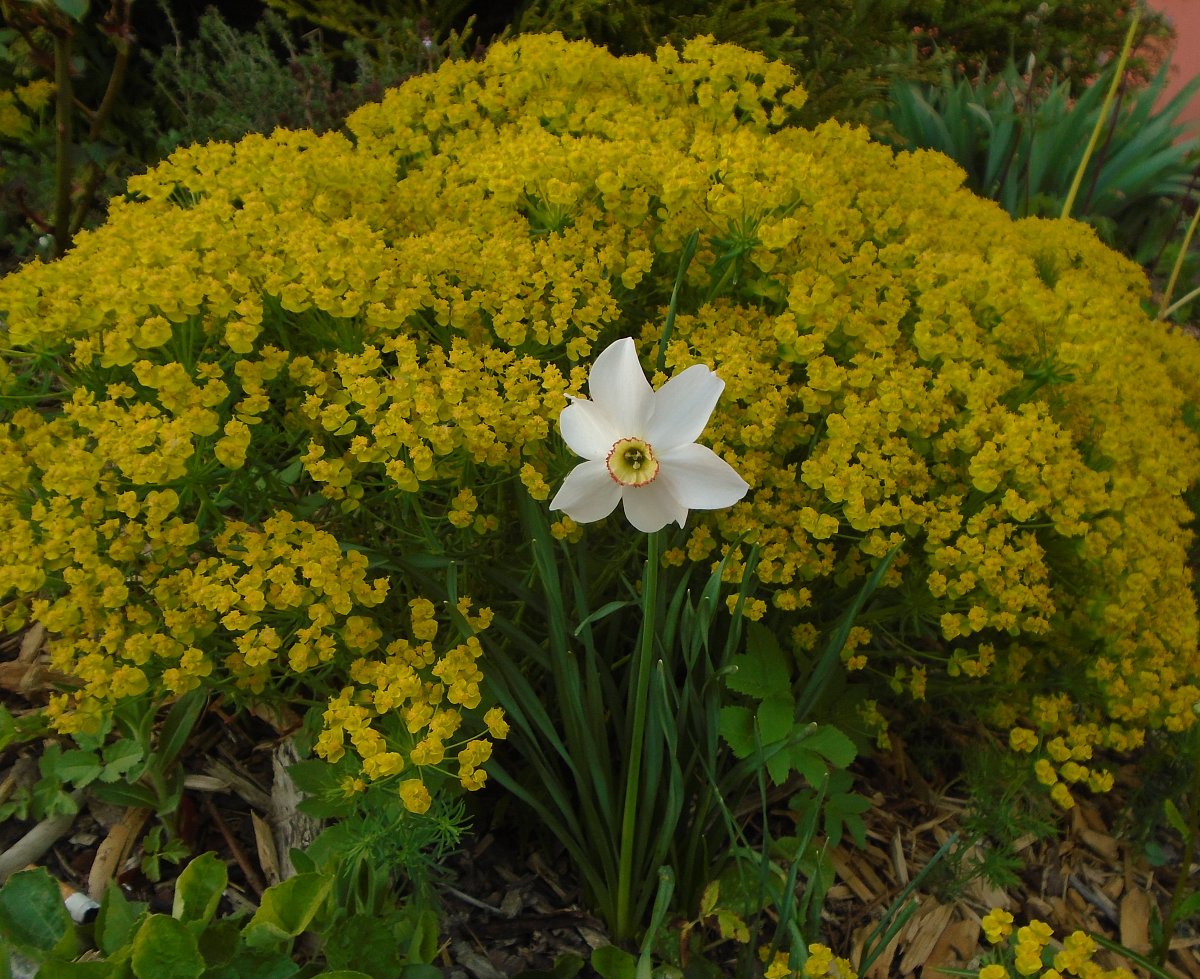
(1102, 843)
(955, 948)
(881, 968)
(114, 850)
(27, 678)
(264, 842)
(31, 643)
(844, 869)
(1135, 921)
(931, 921)
(291, 828)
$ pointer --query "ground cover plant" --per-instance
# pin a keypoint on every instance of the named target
(285, 432)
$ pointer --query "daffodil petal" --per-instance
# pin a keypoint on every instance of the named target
(699, 478)
(682, 407)
(588, 493)
(652, 507)
(619, 387)
(587, 430)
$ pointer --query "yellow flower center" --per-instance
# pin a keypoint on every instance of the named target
(631, 462)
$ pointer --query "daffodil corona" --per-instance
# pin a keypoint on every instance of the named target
(640, 445)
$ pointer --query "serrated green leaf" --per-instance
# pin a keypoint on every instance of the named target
(776, 718)
(78, 767)
(120, 758)
(779, 766)
(165, 947)
(736, 725)
(32, 916)
(831, 743)
(287, 909)
(809, 764)
(199, 888)
(763, 669)
(708, 900)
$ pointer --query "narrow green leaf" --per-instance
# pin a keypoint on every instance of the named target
(131, 796)
(177, 727)
(1175, 818)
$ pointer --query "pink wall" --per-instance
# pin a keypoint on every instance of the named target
(1185, 61)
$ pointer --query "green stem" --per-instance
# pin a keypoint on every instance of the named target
(1165, 308)
(1103, 116)
(624, 926)
(63, 111)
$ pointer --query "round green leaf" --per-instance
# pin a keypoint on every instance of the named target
(75, 9)
(165, 947)
(198, 889)
(32, 916)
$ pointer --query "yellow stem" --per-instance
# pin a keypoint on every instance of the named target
(1103, 115)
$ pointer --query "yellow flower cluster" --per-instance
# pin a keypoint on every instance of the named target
(407, 708)
(19, 106)
(821, 964)
(378, 333)
(1032, 954)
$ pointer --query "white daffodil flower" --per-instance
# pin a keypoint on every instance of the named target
(640, 445)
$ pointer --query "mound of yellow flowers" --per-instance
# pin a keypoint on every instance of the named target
(295, 379)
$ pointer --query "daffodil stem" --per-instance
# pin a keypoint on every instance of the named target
(624, 925)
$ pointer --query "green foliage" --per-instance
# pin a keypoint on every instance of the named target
(1005, 811)
(845, 51)
(55, 158)
(372, 20)
(1073, 39)
(377, 849)
(127, 762)
(33, 920)
(848, 51)
(1021, 138)
(197, 939)
(226, 82)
